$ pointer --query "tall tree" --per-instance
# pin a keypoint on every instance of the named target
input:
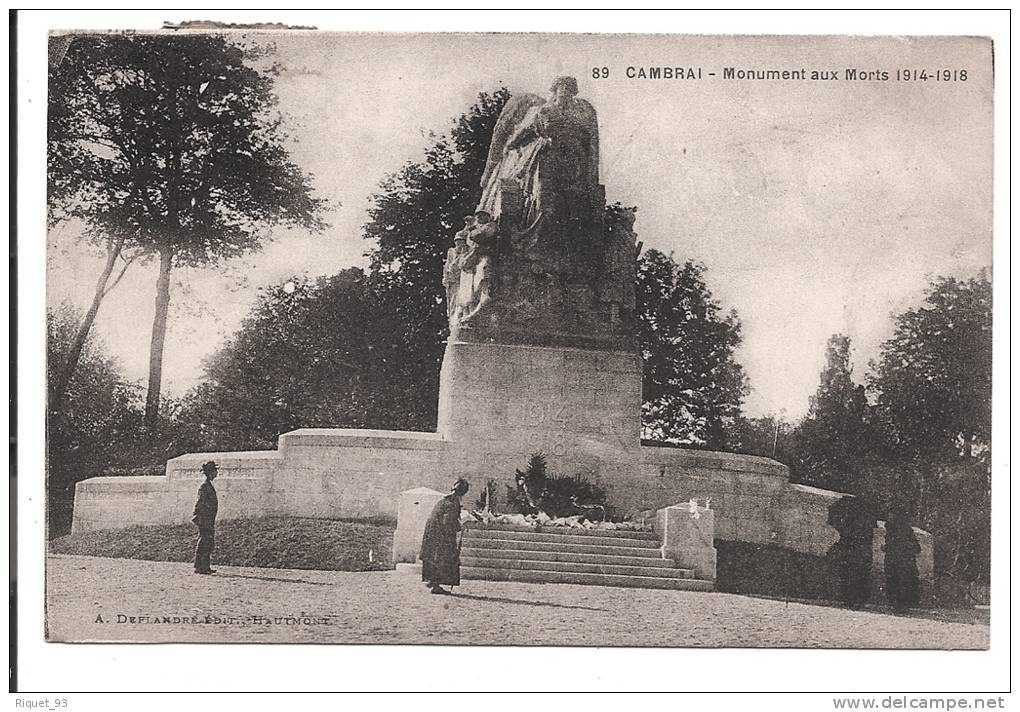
(834, 440)
(173, 143)
(112, 242)
(310, 354)
(402, 319)
(933, 379)
(100, 414)
(766, 436)
(411, 222)
(932, 387)
(693, 386)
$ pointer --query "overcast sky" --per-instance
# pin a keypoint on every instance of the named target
(817, 207)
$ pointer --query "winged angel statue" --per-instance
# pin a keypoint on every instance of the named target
(549, 151)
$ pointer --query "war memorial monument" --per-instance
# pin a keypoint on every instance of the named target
(541, 357)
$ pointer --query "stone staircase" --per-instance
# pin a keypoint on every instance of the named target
(560, 555)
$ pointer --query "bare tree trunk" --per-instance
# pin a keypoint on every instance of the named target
(158, 338)
(58, 390)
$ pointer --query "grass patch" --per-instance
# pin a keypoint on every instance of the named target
(773, 571)
(269, 542)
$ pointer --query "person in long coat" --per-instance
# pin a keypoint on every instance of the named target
(440, 555)
(205, 519)
(902, 585)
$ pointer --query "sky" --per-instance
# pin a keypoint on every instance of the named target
(817, 206)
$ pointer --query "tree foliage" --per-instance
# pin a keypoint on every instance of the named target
(833, 442)
(411, 223)
(693, 386)
(933, 380)
(100, 416)
(402, 317)
(932, 387)
(173, 144)
(765, 436)
(311, 354)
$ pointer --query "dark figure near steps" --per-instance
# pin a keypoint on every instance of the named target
(440, 552)
(851, 556)
(205, 519)
(902, 586)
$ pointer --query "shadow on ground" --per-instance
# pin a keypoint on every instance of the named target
(973, 616)
(496, 599)
(274, 578)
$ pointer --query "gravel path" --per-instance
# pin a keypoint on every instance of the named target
(97, 599)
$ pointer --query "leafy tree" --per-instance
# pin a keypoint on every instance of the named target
(113, 242)
(411, 222)
(100, 414)
(767, 436)
(933, 379)
(173, 145)
(311, 354)
(398, 339)
(932, 387)
(357, 350)
(693, 386)
(834, 439)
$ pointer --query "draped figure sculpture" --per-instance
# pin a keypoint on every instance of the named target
(537, 263)
(549, 151)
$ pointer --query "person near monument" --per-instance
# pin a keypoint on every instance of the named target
(205, 519)
(440, 554)
(851, 555)
(902, 585)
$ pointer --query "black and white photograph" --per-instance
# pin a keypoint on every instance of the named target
(520, 339)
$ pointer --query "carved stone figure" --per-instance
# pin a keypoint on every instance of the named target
(477, 264)
(451, 270)
(544, 262)
(549, 150)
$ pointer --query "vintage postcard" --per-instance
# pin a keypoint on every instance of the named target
(519, 339)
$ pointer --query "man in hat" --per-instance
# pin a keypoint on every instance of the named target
(205, 518)
(440, 555)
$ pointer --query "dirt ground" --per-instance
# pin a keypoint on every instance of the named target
(98, 599)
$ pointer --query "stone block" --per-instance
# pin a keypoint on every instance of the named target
(581, 359)
(618, 361)
(557, 393)
(689, 538)
(413, 509)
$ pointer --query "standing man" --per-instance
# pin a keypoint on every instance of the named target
(440, 555)
(205, 518)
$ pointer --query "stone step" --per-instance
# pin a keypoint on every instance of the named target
(573, 567)
(532, 545)
(523, 552)
(543, 536)
(489, 573)
(566, 531)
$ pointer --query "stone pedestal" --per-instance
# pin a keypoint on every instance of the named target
(545, 398)
(413, 509)
(688, 538)
(501, 403)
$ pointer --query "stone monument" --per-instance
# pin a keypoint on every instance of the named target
(539, 263)
(542, 357)
(542, 348)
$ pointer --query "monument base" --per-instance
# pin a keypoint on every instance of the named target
(498, 405)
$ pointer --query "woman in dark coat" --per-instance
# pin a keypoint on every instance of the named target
(902, 586)
(440, 555)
